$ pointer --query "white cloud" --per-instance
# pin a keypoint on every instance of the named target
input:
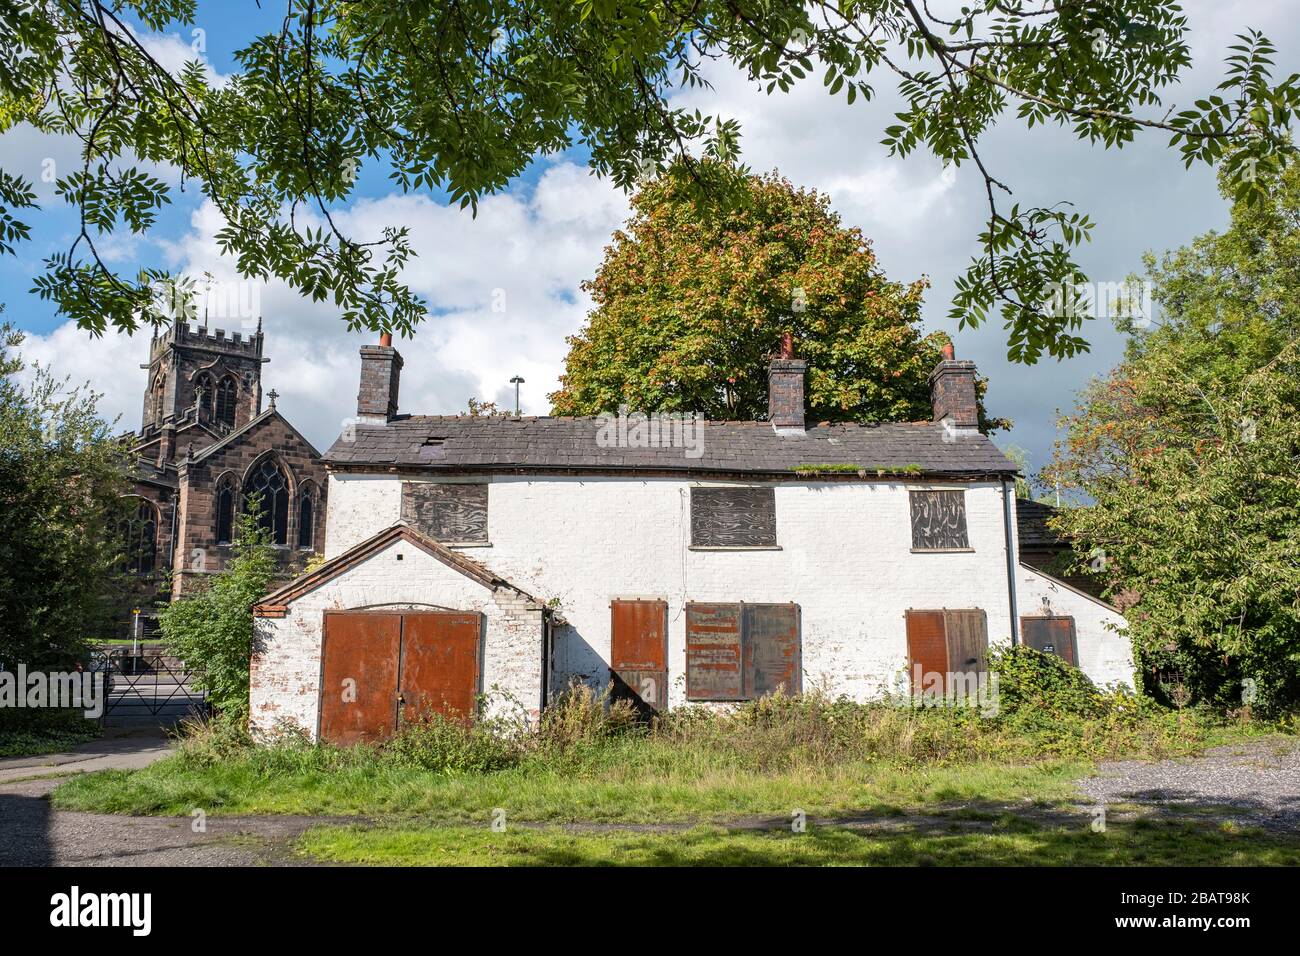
(504, 285)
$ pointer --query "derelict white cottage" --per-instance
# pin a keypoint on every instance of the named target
(496, 559)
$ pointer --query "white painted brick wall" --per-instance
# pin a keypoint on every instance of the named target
(1105, 653)
(845, 558)
(286, 667)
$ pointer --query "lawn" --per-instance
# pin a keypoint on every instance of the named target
(639, 789)
(1009, 841)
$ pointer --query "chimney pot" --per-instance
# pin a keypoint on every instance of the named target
(949, 353)
(386, 339)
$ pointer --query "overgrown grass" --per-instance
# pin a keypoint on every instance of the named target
(592, 761)
(1009, 842)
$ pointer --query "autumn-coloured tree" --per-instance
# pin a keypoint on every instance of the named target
(694, 294)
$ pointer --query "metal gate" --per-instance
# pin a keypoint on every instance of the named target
(147, 682)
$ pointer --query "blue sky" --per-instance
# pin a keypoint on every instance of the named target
(506, 286)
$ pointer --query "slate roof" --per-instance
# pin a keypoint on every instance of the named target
(471, 443)
(1031, 524)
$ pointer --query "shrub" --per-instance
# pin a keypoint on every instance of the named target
(1043, 685)
(452, 747)
(213, 631)
(582, 716)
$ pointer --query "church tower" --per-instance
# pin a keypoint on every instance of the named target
(202, 385)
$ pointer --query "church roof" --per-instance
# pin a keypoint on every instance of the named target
(475, 443)
(249, 426)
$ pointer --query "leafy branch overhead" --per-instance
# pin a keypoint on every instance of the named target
(460, 95)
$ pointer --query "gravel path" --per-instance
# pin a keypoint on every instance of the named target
(1254, 784)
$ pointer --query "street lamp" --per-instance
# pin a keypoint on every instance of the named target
(516, 382)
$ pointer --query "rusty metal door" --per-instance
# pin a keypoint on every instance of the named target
(439, 665)
(638, 655)
(359, 661)
(968, 641)
(714, 662)
(927, 648)
(945, 642)
(1051, 635)
(772, 655)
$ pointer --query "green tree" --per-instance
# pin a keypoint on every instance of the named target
(1020, 456)
(213, 631)
(463, 95)
(1188, 451)
(61, 478)
(693, 297)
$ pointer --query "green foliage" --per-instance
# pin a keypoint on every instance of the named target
(463, 96)
(213, 632)
(828, 756)
(29, 732)
(1031, 683)
(1188, 451)
(692, 299)
(61, 478)
(580, 716)
(450, 747)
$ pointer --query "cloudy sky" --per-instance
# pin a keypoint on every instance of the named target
(504, 286)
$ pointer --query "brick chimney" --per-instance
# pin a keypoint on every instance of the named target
(785, 384)
(381, 372)
(952, 391)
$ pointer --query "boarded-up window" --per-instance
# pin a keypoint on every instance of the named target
(939, 521)
(448, 512)
(733, 517)
(1051, 635)
(742, 651)
(945, 643)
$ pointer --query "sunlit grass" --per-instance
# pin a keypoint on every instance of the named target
(1010, 842)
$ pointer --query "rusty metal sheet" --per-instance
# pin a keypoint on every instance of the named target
(440, 664)
(927, 647)
(359, 654)
(772, 653)
(968, 640)
(713, 652)
(639, 652)
(1051, 635)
